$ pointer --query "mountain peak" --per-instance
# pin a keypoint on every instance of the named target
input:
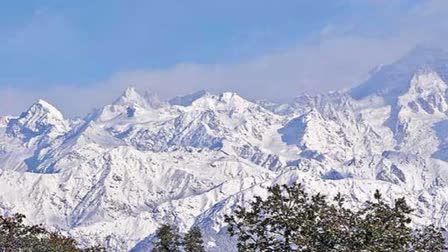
(230, 96)
(187, 100)
(43, 103)
(391, 81)
(40, 118)
(131, 97)
(223, 101)
(425, 55)
(153, 100)
(130, 91)
(427, 93)
(43, 107)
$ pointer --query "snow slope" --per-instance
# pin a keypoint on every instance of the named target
(115, 176)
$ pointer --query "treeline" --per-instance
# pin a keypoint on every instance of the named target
(288, 219)
(167, 239)
(16, 236)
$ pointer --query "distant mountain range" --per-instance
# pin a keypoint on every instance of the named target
(115, 176)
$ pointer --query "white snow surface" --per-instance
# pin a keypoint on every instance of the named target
(114, 177)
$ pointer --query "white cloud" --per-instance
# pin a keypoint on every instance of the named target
(327, 65)
(334, 59)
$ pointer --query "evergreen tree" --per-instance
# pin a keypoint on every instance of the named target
(167, 240)
(428, 239)
(291, 220)
(16, 236)
(193, 241)
(385, 228)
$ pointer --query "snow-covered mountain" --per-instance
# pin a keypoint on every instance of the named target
(115, 176)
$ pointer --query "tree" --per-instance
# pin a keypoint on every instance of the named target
(291, 220)
(167, 240)
(193, 240)
(429, 238)
(384, 227)
(288, 220)
(16, 236)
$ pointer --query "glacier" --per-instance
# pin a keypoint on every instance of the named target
(115, 176)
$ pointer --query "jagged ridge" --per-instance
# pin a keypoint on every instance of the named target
(115, 176)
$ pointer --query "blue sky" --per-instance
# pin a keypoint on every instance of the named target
(89, 49)
(81, 41)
